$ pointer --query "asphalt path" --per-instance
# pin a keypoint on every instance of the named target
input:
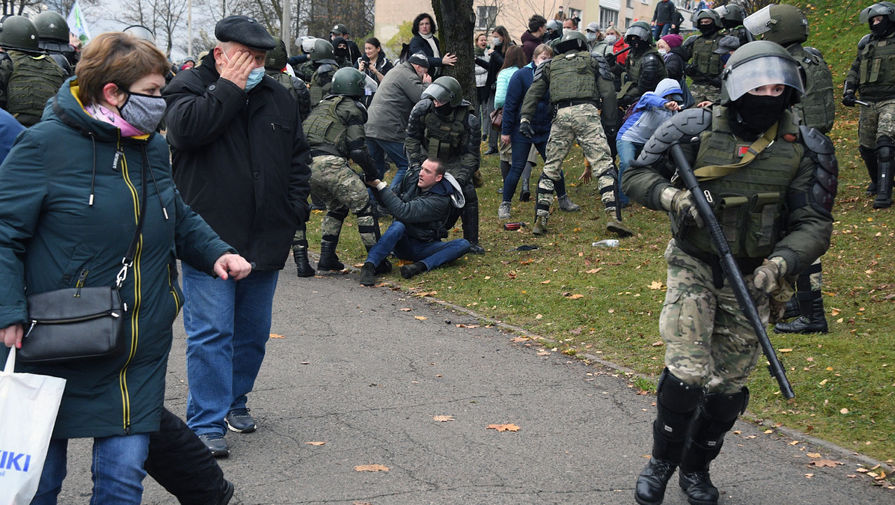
(363, 372)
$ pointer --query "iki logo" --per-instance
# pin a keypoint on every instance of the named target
(17, 461)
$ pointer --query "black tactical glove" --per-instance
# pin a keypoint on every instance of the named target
(690, 70)
(611, 58)
(848, 99)
(525, 129)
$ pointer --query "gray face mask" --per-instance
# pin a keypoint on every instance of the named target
(143, 112)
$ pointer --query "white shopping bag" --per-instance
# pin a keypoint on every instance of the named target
(28, 407)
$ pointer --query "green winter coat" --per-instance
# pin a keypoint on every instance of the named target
(51, 237)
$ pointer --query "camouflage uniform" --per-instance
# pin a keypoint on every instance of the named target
(577, 82)
(28, 81)
(340, 188)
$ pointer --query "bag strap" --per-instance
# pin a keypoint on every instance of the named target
(710, 172)
(128, 260)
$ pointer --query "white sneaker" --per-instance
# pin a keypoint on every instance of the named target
(503, 212)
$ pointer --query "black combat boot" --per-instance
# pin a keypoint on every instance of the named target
(869, 156)
(813, 319)
(328, 259)
(368, 274)
(714, 419)
(470, 217)
(792, 309)
(408, 271)
(300, 255)
(676, 404)
(885, 155)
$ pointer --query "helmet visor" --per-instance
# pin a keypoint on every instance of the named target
(878, 9)
(762, 72)
(638, 31)
(437, 92)
(759, 21)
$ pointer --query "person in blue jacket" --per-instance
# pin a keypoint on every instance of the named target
(540, 123)
(653, 108)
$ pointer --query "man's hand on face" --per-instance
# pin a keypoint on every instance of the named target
(236, 68)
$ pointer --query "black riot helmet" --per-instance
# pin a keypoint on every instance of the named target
(348, 81)
(20, 34)
(571, 41)
(446, 90)
(642, 31)
(884, 9)
(51, 26)
(732, 15)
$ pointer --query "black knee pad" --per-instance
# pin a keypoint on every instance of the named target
(885, 148)
(674, 395)
(724, 408)
(341, 213)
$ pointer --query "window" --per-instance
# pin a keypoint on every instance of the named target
(574, 13)
(485, 17)
(629, 4)
(627, 23)
(608, 17)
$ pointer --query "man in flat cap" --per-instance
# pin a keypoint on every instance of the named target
(241, 161)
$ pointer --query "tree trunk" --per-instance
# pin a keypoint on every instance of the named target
(460, 17)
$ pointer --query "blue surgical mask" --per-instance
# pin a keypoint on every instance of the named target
(254, 78)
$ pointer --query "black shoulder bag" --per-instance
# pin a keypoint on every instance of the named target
(79, 323)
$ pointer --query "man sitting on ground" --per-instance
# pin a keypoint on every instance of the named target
(419, 205)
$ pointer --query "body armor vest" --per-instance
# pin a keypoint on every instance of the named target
(817, 107)
(750, 202)
(34, 80)
(321, 84)
(444, 135)
(324, 130)
(573, 76)
(707, 62)
(876, 77)
(634, 65)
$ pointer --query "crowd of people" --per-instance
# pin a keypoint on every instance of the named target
(253, 135)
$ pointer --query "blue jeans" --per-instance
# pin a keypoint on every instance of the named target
(660, 30)
(378, 149)
(627, 152)
(227, 325)
(520, 158)
(432, 254)
(117, 470)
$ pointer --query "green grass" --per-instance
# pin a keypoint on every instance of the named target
(844, 381)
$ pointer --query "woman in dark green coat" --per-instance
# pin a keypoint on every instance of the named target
(71, 192)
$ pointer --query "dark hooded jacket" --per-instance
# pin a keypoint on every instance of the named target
(51, 238)
(240, 160)
(423, 212)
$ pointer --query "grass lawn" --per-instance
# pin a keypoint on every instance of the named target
(844, 381)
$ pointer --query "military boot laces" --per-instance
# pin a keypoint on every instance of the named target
(566, 204)
(540, 227)
(698, 487)
(650, 487)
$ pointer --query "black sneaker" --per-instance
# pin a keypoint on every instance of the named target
(368, 274)
(384, 268)
(216, 444)
(240, 421)
(408, 271)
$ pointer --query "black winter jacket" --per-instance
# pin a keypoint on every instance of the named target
(240, 160)
(423, 212)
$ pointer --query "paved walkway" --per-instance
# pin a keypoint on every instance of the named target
(360, 373)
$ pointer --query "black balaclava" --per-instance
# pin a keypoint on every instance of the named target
(708, 29)
(751, 115)
(883, 28)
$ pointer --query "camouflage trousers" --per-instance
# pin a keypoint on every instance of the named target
(876, 120)
(581, 123)
(342, 190)
(708, 340)
(705, 92)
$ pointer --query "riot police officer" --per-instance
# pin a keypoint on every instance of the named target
(577, 82)
(643, 68)
(325, 67)
(775, 210)
(786, 25)
(444, 126)
(274, 64)
(872, 77)
(704, 67)
(28, 78)
(732, 16)
(335, 133)
(52, 30)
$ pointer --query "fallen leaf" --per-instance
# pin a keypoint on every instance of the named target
(658, 343)
(809, 475)
(405, 309)
(575, 296)
(543, 353)
(316, 444)
(427, 293)
(520, 339)
(539, 316)
(593, 270)
(461, 325)
(835, 312)
(443, 418)
(276, 335)
(420, 318)
(655, 285)
(814, 455)
(786, 350)
(361, 503)
(487, 277)
(768, 432)
(862, 470)
(371, 468)
(503, 427)
(546, 282)
(820, 463)
(843, 411)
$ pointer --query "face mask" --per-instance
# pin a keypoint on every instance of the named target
(143, 112)
(663, 52)
(707, 29)
(611, 39)
(254, 78)
(591, 36)
(881, 29)
(443, 110)
(759, 112)
(494, 41)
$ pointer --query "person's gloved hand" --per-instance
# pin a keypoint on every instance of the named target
(849, 99)
(680, 203)
(525, 129)
(768, 275)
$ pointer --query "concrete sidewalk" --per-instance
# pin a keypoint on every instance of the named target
(358, 371)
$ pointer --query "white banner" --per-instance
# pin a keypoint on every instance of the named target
(77, 24)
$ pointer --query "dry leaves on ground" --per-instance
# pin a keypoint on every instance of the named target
(420, 318)
(276, 335)
(371, 468)
(820, 463)
(443, 418)
(316, 444)
(503, 427)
